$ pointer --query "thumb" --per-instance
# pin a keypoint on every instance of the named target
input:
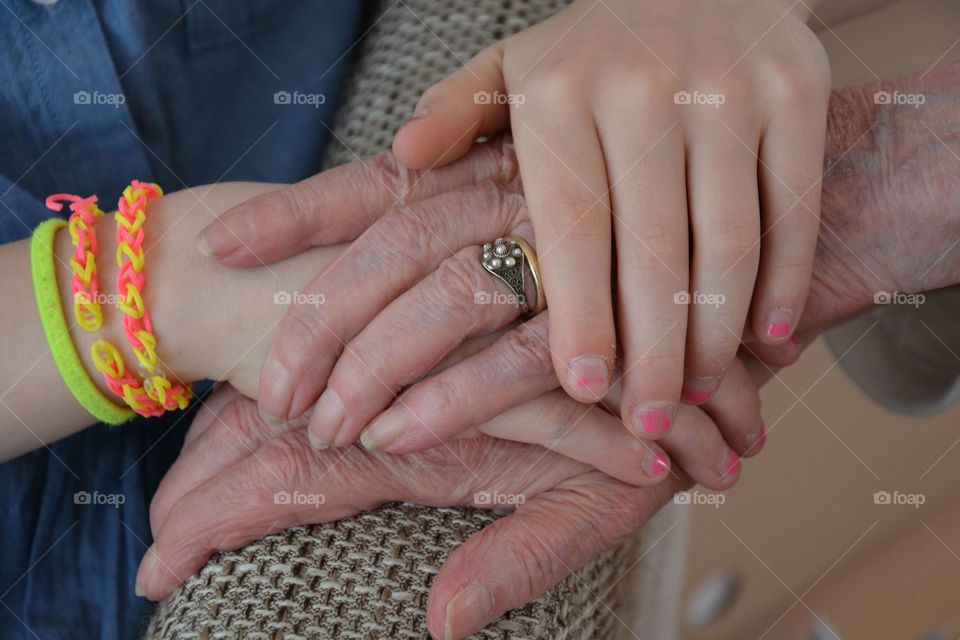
(453, 113)
(519, 557)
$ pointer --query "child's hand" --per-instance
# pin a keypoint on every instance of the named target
(695, 125)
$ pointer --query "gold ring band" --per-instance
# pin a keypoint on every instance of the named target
(530, 257)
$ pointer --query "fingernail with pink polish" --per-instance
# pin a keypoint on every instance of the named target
(731, 465)
(589, 376)
(779, 324)
(658, 466)
(794, 341)
(654, 419)
(697, 390)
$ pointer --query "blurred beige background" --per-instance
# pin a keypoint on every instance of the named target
(800, 543)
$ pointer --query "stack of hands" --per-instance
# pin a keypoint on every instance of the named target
(352, 307)
(482, 409)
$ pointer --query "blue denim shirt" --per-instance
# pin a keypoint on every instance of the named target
(93, 94)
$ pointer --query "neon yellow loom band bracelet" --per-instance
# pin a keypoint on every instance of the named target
(43, 269)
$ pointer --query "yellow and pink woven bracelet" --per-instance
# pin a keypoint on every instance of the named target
(156, 394)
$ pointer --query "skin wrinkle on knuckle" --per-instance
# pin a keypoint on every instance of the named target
(302, 325)
(457, 281)
(535, 562)
(383, 169)
(595, 520)
(526, 351)
(403, 234)
(298, 205)
(435, 477)
(288, 464)
(445, 394)
(505, 206)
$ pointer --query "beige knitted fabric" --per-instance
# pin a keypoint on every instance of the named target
(369, 576)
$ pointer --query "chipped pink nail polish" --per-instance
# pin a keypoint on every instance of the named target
(731, 466)
(654, 419)
(589, 375)
(794, 341)
(779, 323)
(659, 466)
(699, 390)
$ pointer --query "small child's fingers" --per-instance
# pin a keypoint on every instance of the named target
(710, 441)
(724, 210)
(696, 446)
(775, 355)
(791, 165)
(453, 113)
(735, 409)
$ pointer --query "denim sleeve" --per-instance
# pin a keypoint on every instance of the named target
(20, 211)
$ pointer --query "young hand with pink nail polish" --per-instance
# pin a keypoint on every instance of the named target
(671, 156)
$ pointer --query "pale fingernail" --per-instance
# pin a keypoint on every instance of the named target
(278, 385)
(269, 420)
(384, 430)
(731, 465)
(589, 376)
(217, 240)
(779, 323)
(148, 567)
(658, 466)
(698, 390)
(419, 115)
(654, 419)
(316, 442)
(327, 416)
(470, 608)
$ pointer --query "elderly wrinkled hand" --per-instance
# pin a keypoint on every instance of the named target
(220, 494)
